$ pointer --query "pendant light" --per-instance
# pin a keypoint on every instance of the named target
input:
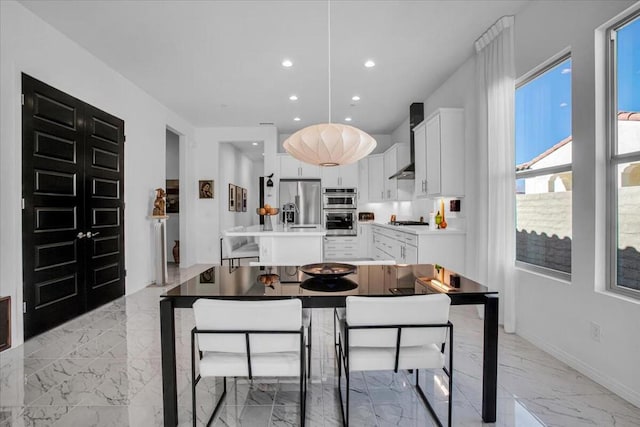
(329, 144)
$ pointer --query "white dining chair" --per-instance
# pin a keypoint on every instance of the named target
(392, 333)
(247, 339)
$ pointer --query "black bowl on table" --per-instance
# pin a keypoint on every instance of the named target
(328, 270)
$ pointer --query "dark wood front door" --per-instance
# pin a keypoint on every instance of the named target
(72, 185)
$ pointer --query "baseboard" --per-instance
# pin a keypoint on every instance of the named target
(628, 394)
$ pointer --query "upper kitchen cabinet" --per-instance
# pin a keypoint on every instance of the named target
(340, 176)
(395, 158)
(420, 140)
(363, 180)
(375, 178)
(440, 165)
(290, 167)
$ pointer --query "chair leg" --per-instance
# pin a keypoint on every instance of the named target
(218, 404)
(428, 405)
(303, 386)
(309, 337)
(193, 400)
(345, 414)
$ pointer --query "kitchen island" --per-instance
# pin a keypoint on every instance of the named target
(291, 245)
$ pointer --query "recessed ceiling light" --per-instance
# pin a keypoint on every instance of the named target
(287, 63)
(347, 119)
(296, 119)
(368, 64)
(355, 98)
(293, 98)
(254, 143)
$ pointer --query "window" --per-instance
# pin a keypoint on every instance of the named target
(543, 169)
(624, 158)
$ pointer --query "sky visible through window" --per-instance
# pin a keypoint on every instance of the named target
(543, 105)
(629, 67)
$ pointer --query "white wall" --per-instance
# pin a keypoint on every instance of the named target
(205, 161)
(28, 44)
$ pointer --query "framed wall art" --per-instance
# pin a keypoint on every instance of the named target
(244, 200)
(205, 189)
(232, 197)
(238, 199)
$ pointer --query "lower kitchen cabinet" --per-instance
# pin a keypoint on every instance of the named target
(338, 248)
(446, 248)
(365, 241)
(400, 246)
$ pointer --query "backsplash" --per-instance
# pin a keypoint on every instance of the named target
(384, 210)
(414, 209)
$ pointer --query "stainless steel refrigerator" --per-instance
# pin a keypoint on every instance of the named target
(306, 194)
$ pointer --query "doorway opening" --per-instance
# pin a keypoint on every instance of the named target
(241, 164)
(172, 174)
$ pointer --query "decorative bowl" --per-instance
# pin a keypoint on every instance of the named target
(328, 270)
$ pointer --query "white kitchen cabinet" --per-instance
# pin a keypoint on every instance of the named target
(345, 176)
(395, 158)
(338, 248)
(444, 136)
(365, 241)
(391, 167)
(376, 178)
(409, 254)
(397, 245)
(363, 181)
(290, 167)
(420, 147)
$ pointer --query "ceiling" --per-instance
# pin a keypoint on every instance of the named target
(218, 63)
(253, 150)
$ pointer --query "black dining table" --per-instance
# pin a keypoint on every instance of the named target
(263, 283)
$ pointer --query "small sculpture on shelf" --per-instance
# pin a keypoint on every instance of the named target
(159, 203)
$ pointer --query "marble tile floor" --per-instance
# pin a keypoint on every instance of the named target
(103, 369)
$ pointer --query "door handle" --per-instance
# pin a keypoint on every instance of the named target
(90, 235)
(81, 235)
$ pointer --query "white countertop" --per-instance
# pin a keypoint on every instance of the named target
(416, 229)
(278, 230)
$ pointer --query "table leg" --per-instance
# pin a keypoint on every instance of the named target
(490, 360)
(168, 353)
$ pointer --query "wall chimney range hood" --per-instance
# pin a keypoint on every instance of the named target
(416, 115)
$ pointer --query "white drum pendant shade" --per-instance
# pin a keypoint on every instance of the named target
(329, 144)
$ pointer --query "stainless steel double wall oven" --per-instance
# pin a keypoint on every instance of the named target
(339, 211)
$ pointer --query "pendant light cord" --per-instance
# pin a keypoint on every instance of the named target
(329, 51)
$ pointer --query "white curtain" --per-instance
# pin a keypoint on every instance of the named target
(495, 73)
